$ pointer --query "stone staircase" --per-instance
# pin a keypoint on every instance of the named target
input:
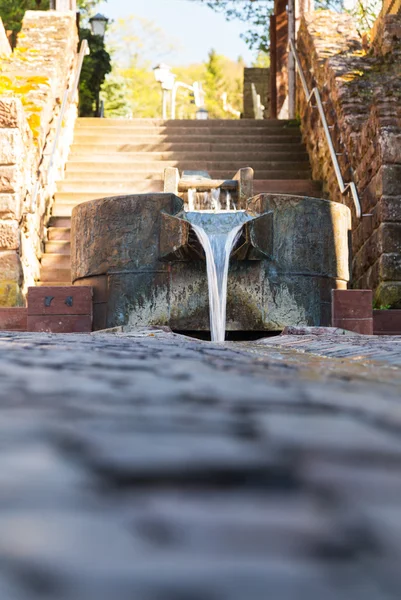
(111, 157)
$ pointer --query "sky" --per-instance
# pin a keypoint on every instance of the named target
(194, 28)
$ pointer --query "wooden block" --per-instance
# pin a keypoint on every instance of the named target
(60, 323)
(352, 304)
(60, 300)
(364, 326)
(13, 319)
(387, 322)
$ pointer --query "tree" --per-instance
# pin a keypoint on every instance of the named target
(223, 76)
(114, 94)
(94, 70)
(12, 12)
(133, 43)
(257, 12)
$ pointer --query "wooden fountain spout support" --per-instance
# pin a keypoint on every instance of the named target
(241, 184)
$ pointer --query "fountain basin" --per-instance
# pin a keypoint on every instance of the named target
(141, 256)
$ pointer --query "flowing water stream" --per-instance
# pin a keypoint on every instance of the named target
(218, 232)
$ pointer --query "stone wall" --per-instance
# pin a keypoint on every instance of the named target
(362, 95)
(5, 48)
(32, 83)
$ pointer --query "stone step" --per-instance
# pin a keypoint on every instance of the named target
(59, 222)
(302, 187)
(125, 134)
(85, 122)
(65, 202)
(296, 173)
(187, 148)
(58, 234)
(243, 156)
(112, 175)
(53, 283)
(116, 145)
(115, 188)
(49, 276)
(144, 170)
(59, 246)
(138, 187)
(158, 166)
(132, 176)
(51, 261)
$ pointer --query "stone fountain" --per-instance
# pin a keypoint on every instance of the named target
(147, 267)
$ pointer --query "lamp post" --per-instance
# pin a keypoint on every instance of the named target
(166, 78)
(98, 25)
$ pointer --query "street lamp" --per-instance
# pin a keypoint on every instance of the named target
(166, 78)
(202, 114)
(98, 25)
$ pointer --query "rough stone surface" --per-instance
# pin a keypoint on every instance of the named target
(362, 95)
(154, 467)
(281, 274)
(33, 79)
(9, 235)
(11, 279)
(10, 206)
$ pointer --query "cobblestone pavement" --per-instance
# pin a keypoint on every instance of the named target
(154, 467)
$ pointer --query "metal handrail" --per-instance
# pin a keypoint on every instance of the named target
(68, 97)
(344, 187)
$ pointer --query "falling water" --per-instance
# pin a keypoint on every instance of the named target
(215, 200)
(228, 200)
(218, 233)
(191, 199)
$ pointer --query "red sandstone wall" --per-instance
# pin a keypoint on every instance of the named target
(362, 92)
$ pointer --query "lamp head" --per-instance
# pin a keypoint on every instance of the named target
(98, 24)
(202, 114)
(162, 72)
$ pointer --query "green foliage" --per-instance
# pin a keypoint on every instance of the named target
(114, 93)
(222, 76)
(12, 12)
(365, 13)
(256, 14)
(131, 89)
(215, 85)
(94, 70)
(262, 60)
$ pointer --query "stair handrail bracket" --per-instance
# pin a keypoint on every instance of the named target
(314, 93)
(45, 174)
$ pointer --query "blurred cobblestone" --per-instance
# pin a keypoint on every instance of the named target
(149, 466)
